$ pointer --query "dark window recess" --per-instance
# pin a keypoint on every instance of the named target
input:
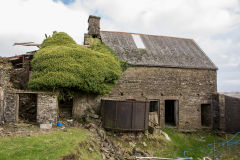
(28, 108)
(206, 115)
(153, 106)
(65, 107)
(171, 112)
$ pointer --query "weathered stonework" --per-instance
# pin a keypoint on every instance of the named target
(227, 118)
(47, 111)
(82, 102)
(8, 100)
(10, 107)
(232, 112)
(191, 87)
(94, 26)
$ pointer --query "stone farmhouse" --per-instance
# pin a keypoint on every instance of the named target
(173, 77)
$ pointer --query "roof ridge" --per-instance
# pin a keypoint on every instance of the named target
(149, 35)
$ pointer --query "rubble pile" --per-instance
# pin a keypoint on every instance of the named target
(111, 150)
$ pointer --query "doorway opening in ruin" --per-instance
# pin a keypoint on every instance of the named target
(206, 115)
(28, 108)
(154, 113)
(65, 107)
(171, 112)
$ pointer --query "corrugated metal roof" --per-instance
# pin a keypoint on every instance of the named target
(159, 51)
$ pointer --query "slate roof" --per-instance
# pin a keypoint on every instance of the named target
(160, 51)
(232, 94)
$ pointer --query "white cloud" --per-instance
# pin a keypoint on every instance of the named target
(169, 16)
(214, 24)
(29, 20)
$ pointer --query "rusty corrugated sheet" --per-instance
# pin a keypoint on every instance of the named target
(160, 51)
(125, 115)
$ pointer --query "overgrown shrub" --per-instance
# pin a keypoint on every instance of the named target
(62, 64)
(97, 45)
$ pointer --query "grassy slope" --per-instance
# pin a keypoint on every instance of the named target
(47, 146)
(76, 143)
(160, 147)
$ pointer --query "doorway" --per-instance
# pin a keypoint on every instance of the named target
(171, 112)
(206, 115)
(28, 108)
(65, 108)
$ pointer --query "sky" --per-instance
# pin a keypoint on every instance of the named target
(213, 24)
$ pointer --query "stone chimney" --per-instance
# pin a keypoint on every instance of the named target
(94, 26)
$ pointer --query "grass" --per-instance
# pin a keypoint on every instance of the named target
(43, 146)
(192, 142)
(75, 143)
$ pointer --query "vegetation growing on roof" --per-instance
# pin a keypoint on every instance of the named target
(62, 64)
(97, 45)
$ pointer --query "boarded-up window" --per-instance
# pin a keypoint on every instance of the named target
(153, 113)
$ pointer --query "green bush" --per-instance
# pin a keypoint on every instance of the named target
(62, 64)
(97, 45)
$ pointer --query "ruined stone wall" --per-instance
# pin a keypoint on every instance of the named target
(21, 76)
(94, 26)
(232, 114)
(221, 106)
(216, 112)
(191, 87)
(82, 102)
(8, 100)
(227, 109)
(47, 108)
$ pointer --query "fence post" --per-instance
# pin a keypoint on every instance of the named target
(214, 150)
(227, 146)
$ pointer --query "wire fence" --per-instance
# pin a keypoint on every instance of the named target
(216, 150)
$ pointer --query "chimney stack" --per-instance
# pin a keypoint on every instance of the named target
(94, 26)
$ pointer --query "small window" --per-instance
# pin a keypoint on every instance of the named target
(138, 41)
(153, 106)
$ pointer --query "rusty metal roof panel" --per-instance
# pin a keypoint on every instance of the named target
(159, 51)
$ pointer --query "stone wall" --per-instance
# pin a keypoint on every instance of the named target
(47, 111)
(21, 76)
(94, 26)
(9, 101)
(227, 109)
(82, 102)
(191, 87)
(232, 112)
